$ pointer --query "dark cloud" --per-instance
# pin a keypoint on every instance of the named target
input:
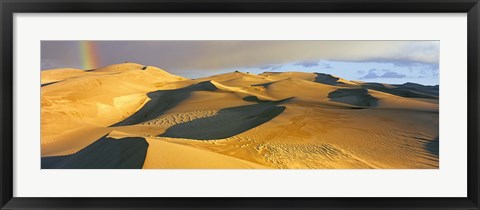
(208, 57)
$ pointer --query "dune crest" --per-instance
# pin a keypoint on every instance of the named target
(130, 115)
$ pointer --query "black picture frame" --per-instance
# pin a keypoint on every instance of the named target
(10, 7)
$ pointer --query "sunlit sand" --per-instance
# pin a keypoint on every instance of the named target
(134, 116)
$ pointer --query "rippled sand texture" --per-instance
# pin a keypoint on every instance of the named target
(129, 116)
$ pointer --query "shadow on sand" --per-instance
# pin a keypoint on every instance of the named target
(163, 100)
(265, 85)
(105, 153)
(227, 122)
(254, 99)
(47, 84)
(408, 90)
(356, 97)
(327, 79)
(432, 146)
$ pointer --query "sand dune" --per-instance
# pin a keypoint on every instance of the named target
(408, 90)
(353, 96)
(55, 75)
(84, 104)
(128, 152)
(313, 77)
(221, 125)
(134, 116)
(164, 154)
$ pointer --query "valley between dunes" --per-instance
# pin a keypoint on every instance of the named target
(133, 116)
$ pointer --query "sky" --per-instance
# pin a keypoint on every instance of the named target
(394, 62)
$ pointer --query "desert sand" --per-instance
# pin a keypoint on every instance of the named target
(134, 116)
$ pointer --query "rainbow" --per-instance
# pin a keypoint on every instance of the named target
(89, 54)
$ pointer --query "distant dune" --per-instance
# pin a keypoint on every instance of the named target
(134, 116)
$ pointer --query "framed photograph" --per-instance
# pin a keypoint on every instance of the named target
(239, 105)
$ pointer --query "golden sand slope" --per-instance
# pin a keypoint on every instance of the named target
(127, 116)
(78, 110)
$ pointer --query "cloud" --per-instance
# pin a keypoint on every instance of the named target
(271, 67)
(408, 64)
(384, 73)
(307, 64)
(216, 55)
(325, 65)
(392, 74)
(370, 75)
